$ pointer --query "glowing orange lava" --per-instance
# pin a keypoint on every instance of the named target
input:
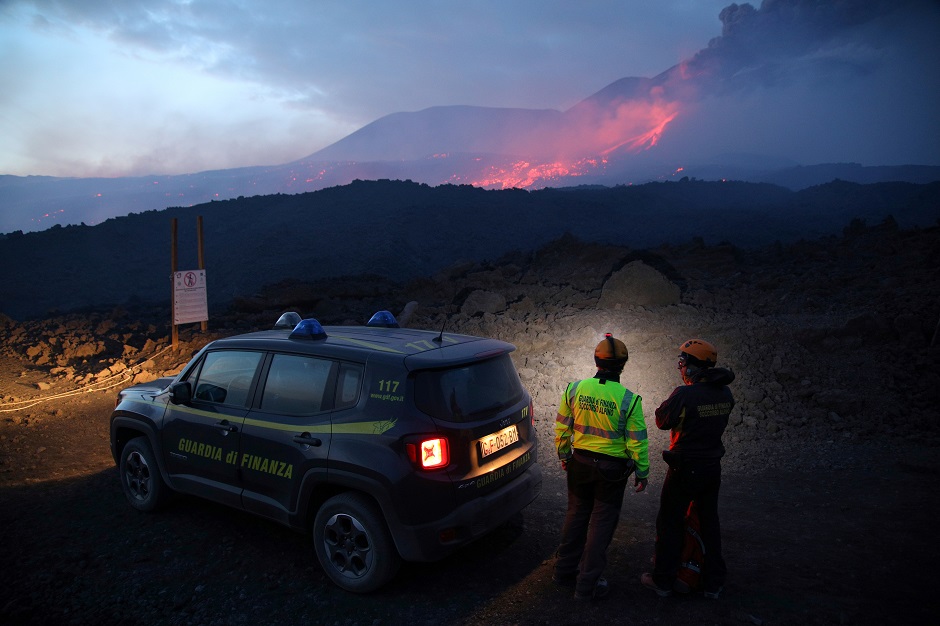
(629, 127)
(524, 174)
(656, 118)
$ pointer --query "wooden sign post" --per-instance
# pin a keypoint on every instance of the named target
(188, 302)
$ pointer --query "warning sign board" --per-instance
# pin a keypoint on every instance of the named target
(189, 297)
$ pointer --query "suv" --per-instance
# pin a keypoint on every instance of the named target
(386, 443)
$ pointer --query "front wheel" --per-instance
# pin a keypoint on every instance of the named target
(140, 477)
(353, 544)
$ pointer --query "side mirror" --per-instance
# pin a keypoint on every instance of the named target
(181, 393)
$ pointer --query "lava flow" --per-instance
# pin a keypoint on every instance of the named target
(627, 128)
(659, 118)
(525, 174)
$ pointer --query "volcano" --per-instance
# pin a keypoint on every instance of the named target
(784, 88)
(504, 147)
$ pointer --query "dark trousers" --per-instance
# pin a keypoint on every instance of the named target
(595, 497)
(698, 480)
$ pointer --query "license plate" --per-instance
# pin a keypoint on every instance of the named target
(499, 440)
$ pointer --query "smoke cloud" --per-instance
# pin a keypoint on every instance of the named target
(795, 81)
(810, 81)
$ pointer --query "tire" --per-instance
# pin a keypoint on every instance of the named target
(140, 476)
(353, 544)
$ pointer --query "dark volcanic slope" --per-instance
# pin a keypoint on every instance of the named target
(400, 230)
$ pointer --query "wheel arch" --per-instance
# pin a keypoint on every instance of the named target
(318, 488)
(353, 542)
(124, 429)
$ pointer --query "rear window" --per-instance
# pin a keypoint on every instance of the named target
(296, 385)
(469, 392)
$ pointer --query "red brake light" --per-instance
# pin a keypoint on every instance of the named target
(430, 453)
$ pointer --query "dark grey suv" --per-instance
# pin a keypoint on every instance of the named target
(386, 443)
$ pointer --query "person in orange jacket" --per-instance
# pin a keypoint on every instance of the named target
(697, 414)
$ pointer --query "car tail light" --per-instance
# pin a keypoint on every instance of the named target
(532, 413)
(429, 453)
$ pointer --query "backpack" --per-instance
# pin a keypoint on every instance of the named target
(693, 554)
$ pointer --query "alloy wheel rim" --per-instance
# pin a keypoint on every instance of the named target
(348, 545)
(138, 476)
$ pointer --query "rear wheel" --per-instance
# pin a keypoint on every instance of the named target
(140, 477)
(353, 544)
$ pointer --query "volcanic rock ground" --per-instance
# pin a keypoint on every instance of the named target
(829, 496)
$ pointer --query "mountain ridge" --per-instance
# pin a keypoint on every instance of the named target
(36, 203)
(403, 229)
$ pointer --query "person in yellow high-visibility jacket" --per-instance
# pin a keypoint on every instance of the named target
(600, 435)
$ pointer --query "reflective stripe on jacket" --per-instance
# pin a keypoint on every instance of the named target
(697, 414)
(603, 416)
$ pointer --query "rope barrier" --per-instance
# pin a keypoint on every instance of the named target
(99, 385)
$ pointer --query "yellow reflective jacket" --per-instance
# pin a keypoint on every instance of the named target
(603, 416)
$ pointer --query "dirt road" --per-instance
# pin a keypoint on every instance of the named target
(852, 546)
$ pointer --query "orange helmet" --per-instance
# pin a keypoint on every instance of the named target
(610, 353)
(699, 352)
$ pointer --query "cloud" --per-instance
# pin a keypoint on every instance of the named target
(277, 80)
(260, 68)
(379, 58)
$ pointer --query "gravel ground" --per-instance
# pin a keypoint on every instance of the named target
(829, 494)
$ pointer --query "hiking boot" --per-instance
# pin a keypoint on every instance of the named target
(568, 582)
(714, 593)
(647, 581)
(680, 586)
(601, 589)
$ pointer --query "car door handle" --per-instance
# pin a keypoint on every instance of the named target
(227, 427)
(307, 439)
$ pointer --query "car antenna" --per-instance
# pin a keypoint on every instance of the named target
(440, 338)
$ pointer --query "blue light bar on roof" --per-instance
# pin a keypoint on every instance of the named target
(383, 319)
(308, 329)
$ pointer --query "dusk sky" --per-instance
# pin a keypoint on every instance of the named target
(109, 88)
